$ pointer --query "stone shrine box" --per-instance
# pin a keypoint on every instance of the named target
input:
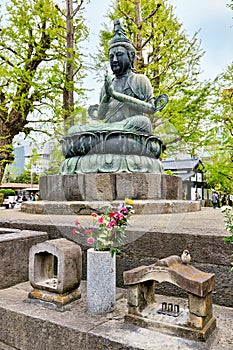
(195, 322)
(55, 269)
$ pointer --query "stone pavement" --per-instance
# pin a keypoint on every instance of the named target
(207, 221)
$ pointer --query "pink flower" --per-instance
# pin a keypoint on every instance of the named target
(76, 223)
(111, 223)
(90, 240)
(94, 215)
(74, 231)
(86, 232)
(124, 210)
(121, 216)
(118, 216)
(100, 220)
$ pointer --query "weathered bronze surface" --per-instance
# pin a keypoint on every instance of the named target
(125, 130)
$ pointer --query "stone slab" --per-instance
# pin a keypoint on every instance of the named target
(144, 207)
(62, 188)
(14, 252)
(100, 187)
(139, 186)
(182, 330)
(30, 327)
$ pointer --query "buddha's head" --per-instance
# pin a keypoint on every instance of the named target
(121, 51)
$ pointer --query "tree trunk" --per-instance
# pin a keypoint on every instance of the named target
(5, 151)
(68, 92)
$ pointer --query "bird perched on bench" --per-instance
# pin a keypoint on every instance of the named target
(185, 257)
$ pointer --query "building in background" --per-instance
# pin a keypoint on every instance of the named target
(190, 170)
(24, 153)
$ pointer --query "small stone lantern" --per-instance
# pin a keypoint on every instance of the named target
(55, 269)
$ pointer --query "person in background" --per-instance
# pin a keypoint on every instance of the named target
(215, 199)
(37, 197)
(224, 200)
(32, 197)
(229, 199)
(197, 196)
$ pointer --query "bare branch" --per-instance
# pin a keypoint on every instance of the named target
(152, 13)
(78, 8)
(58, 8)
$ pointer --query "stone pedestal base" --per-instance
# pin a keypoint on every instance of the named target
(87, 207)
(53, 300)
(173, 329)
(110, 187)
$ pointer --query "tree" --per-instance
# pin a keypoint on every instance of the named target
(171, 60)
(219, 135)
(219, 167)
(33, 55)
(230, 5)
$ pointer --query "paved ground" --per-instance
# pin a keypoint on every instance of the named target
(207, 221)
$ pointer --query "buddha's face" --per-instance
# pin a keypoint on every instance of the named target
(119, 60)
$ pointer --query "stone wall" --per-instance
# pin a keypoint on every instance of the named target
(14, 252)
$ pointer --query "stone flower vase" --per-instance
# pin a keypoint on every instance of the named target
(101, 281)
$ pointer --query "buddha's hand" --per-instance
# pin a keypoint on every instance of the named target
(160, 102)
(108, 85)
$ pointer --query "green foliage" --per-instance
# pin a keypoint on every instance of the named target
(169, 172)
(7, 192)
(32, 80)
(228, 219)
(9, 173)
(56, 157)
(1, 198)
(171, 60)
(230, 4)
(26, 177)
(219, 134)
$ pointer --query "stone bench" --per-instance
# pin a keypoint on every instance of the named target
(141, 283)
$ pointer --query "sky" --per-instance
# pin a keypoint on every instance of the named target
(211, 17)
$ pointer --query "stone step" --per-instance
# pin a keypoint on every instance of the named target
(145, 207)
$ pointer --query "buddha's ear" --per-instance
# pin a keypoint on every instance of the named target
(131, 55)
